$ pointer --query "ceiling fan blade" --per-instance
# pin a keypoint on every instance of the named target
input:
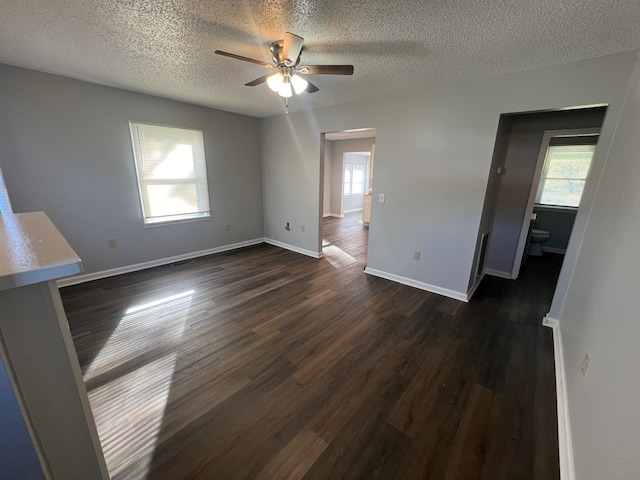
(292, 47)
(260, 80)
(311, 88)
(326, 70)
(245, 59)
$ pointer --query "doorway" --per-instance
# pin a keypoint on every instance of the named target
(347, 173)
(561, 173)
(541, 165)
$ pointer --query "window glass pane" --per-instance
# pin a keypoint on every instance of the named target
(358, 175)
(569, 161)
(166, 200)
(347, 188)
(564, 174)
(357, 187)
(562, 192)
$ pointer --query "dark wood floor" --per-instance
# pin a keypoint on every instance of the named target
(262, 363)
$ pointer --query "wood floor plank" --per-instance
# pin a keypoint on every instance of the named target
(263, 363)
(293, 461)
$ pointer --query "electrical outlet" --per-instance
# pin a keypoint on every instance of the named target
(228, 227)
(302, 228)
(585, 363)
(381, 198)
(111, 242)
(416, 254)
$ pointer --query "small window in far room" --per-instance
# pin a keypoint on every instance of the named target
(564, 175)
(172, 173)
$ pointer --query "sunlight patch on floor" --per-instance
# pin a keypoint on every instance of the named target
(144, 326)
(131, 413)
(338, 257)
(129, 408)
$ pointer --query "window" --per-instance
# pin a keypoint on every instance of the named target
(172, 173)
(564, 175)
(353, 179)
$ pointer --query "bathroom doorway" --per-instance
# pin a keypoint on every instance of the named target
(561, 173)
(347, 175)
(537, 168)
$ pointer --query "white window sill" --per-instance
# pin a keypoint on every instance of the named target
(174, 221)
(554, 208)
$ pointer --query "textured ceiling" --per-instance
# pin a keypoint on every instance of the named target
(165, 48)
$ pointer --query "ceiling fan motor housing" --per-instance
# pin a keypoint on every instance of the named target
(276, 54)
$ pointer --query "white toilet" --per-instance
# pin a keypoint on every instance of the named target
(537, 238)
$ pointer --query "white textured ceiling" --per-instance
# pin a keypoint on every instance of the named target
(165, 48)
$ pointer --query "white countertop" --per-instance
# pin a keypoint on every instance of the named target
(32, 250)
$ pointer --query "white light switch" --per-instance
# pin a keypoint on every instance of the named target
(381, 197)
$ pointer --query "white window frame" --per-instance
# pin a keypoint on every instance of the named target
(544, 177)
(200, 180)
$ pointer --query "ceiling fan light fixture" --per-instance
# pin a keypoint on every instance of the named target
(275, 81)
(285, 90)
(299, 84)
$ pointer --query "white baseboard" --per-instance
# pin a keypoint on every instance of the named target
(87, 277)
(415, 283)
(475, 286)
(561, 251)
(353, 210)
(498, 273)
(567, 471)
(293, 248)
(336, 215)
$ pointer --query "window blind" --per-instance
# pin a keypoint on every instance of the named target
(172, 173)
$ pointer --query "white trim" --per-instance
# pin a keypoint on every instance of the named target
(293, 248)
(353, 210)
(65, 282)
(567, 471)
(473, 288)
(417, 284)
(498, 273)
(336, 215)
(561, 251)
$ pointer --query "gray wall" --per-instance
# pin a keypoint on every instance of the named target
(491, 194)
(521, 157)
(18, 457)
(433, 154)
(65, 149)
(600, 315)
(559, 223)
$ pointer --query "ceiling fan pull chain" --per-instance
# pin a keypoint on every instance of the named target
(286, 105)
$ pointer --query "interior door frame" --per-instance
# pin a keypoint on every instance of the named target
(542, 154)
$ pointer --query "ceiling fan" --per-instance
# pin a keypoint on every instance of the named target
(286, 77)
